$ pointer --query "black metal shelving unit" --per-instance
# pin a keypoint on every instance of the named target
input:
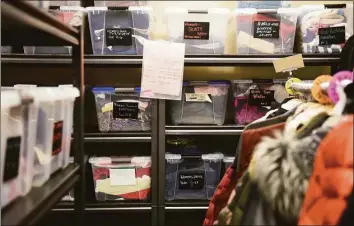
(59, 184)
(23, 24)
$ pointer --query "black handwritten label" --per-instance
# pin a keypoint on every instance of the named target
(12, 158)
(125, 110)
(266, 29)
(57, 137)
(261, 97)
(331, 35)
(119, 37)
(193, 180)
(196, 30)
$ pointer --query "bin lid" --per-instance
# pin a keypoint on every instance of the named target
(169, 156)
(229, 159)
(69, 92)
(111, 162)
(213, 156)
(107, 89)
(10, 98)
(211, 82)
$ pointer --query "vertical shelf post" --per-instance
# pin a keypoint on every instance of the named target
(79, 157)
(161, 160)
(154, 163)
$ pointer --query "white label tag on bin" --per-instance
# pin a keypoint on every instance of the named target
(107, 107)
(119, 177)
(198, 97)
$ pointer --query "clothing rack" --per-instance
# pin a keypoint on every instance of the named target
(306, 86)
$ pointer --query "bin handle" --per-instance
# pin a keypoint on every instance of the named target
(198, 11)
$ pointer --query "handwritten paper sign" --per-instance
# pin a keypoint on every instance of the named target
(331, 35)
(119, 37)
(162, 73)
(196, 30)
(266, 29)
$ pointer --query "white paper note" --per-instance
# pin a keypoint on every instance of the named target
(119, 177)
(162, 73)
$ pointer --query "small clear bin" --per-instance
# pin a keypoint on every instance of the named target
(122, 109)
(71, 15)
(119, 31)
(228, 161)
(265, 31)
(12, 140)
(254, 98)
(324, 30)
(192, 177)
(202, 103)
(203, 32)
(121, 178)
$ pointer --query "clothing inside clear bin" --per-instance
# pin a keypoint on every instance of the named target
(245, 112)
(247, 44)
(107, 122)
(313, 18)
(265, 4)
(190, 112)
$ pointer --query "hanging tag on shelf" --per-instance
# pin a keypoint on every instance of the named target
(288, 64)
(162, 73)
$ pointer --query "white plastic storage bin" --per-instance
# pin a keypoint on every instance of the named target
(203, 32)
(69, 96)
(11, 146)
(71, 15)
(6, 49)
(119, 31)
(254, 98)
(265, 31)
(30, 114)
(122, 109)
(121, 178)
(202, 103)
(192, 177)
(324, 30)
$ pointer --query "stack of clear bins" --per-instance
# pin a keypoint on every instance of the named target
(71, 15)
(192, 177)
(265, 31)
(203, 32)
(202, 103)
(122, 109)
(119, 31)
(121, 178)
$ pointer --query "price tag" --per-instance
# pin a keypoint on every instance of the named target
(261, 97)
(196, 30)
(331, 35)
(122, 177)
(125, 110)
(193, 181)
(288, 63)
(266, 29)
(198, 97)
(119, 37)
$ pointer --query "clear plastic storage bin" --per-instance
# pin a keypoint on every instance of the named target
(71, 15)
(11, 146)
(194, 177)
(119, 31)
(228, 161)
(120, 178)
(202, 103)
(254, 98)
(6, 49)
(122, 109)
(265, 31)
(203, 32)
(324, 30)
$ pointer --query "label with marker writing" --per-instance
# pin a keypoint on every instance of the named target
(191, 180)
(331, 35)
(266, 29)
(125, 110)
(12, 158)
(57, 137)
(261, 97)
(196, 30)
(119, 37)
